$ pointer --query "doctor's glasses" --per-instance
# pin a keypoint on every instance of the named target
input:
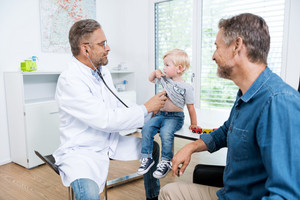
(102, 44)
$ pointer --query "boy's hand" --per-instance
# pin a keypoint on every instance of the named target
(194, 126)
(159, 74)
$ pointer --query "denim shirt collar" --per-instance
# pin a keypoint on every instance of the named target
(256, 86)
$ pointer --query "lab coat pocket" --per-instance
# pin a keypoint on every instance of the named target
(238, 143)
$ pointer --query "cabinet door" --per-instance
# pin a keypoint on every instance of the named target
(42, 130)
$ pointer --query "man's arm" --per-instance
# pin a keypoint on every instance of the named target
(76, 99)
(279, 142)
(183, 156)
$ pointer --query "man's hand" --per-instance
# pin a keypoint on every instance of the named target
(183, 156)
(156, 102)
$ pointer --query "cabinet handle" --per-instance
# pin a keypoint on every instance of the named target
(52, 113)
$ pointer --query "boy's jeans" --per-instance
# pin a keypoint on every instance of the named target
(167, 123)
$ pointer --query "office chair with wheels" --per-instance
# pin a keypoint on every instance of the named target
(50, 161)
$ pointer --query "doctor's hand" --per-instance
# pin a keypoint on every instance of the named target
(156, 102)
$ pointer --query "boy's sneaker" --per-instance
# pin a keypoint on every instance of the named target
(146, 164)
(162, 169)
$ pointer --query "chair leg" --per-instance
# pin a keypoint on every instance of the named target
(70, 193)
(105, 191)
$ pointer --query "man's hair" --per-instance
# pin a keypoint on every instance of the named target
(80, 31)
(179, 57)
(253, 30)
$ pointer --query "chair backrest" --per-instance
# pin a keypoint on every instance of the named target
(49, 160)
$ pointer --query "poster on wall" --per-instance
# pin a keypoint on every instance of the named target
(57, 17)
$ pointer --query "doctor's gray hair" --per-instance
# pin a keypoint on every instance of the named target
(253, 30)
(81, 30)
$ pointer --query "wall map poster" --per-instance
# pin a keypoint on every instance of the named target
(57, 17)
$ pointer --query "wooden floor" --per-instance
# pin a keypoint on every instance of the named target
(18, 183)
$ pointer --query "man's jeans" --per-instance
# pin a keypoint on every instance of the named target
(87, 189)
(167, 123)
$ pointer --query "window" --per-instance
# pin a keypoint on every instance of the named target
(174, 29)
(219, 93)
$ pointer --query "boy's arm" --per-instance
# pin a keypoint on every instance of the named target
(193, 116)
(155, 74)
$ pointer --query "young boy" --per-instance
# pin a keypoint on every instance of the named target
(171, 117)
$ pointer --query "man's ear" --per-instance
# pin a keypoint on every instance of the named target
(238, 44)
(84, 49)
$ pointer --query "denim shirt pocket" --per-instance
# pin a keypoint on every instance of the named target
(238, 144)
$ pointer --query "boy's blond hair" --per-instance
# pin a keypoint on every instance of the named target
(179, 57)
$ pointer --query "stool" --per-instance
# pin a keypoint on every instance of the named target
(50, 161)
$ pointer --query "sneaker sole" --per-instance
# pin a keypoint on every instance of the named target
(144, 172)
(160, 176)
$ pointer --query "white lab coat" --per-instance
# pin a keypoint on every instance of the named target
(91, 118)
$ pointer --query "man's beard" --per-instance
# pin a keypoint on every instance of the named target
(102, 61)
(225, 71)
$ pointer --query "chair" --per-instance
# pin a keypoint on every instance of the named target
(208, 175)
(50, 161)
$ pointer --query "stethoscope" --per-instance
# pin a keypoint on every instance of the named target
(99, 73)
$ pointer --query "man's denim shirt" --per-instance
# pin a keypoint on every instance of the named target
(263, 139)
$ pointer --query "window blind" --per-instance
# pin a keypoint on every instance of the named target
(173, 29)
(217, 93)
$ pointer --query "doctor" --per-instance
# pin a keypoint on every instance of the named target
(91, 117)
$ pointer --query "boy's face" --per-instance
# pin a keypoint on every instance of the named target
(170, 69)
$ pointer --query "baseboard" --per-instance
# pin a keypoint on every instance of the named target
(3, 162)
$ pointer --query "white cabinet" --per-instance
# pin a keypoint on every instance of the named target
(33, 121)
(127, 92)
